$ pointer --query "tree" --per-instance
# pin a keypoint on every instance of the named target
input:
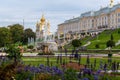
(110, 43)
(28, 33)
(16, 32)
(13, 52)
(119, 31)
(112, 37)
(97, 46)
(76, 43)
(5, 36)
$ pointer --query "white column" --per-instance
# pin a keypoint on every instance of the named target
(58, 36)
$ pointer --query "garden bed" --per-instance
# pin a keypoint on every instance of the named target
(74, 65)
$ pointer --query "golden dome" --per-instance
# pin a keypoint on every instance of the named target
(42, 19)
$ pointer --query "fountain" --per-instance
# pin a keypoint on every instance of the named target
(44, 38)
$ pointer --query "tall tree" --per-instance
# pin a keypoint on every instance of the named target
(28, 33)
(5, 36)
(16, 32)
(76, 43)
(112, 38)
(111, 42)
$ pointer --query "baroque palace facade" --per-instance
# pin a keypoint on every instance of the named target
(92, 22)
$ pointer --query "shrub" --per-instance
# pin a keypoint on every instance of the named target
(76, 43)
(97, 46)
(24, 76)
(42, 76)
(30, 47)
(41, 53)
(14, 53)
(110, 43)
(7, 72)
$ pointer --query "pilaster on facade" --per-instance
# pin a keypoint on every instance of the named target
(93, 21)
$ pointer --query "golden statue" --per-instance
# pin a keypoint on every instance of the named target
(111, 3)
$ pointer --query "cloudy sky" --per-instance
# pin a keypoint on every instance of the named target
(56, 11)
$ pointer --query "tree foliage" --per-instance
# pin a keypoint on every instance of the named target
(119, 31)
(16, 32)
(110, 43)
(5, 36)
(30, 47)
(97, 46)
(76, 43)
(13, 52)
(28, 33)
(112, 37)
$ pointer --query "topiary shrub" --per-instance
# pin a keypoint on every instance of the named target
(76, 43)
(110, 43)
(97, 46)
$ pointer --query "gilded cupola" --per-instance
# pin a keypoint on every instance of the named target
(42, 19)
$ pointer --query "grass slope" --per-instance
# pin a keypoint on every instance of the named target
(103, 37)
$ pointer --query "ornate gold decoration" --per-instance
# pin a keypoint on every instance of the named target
(42, 19)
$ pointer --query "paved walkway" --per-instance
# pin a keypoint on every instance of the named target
(88, 43)
(118, 43)
(63, 54)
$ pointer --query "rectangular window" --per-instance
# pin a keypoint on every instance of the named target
(118, 20)
(118, 14)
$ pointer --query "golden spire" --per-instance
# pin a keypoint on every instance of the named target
(111, 3)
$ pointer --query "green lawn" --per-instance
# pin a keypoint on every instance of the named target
(102, 38)
(36, 61)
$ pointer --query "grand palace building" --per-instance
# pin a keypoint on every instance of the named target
(92, 21)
